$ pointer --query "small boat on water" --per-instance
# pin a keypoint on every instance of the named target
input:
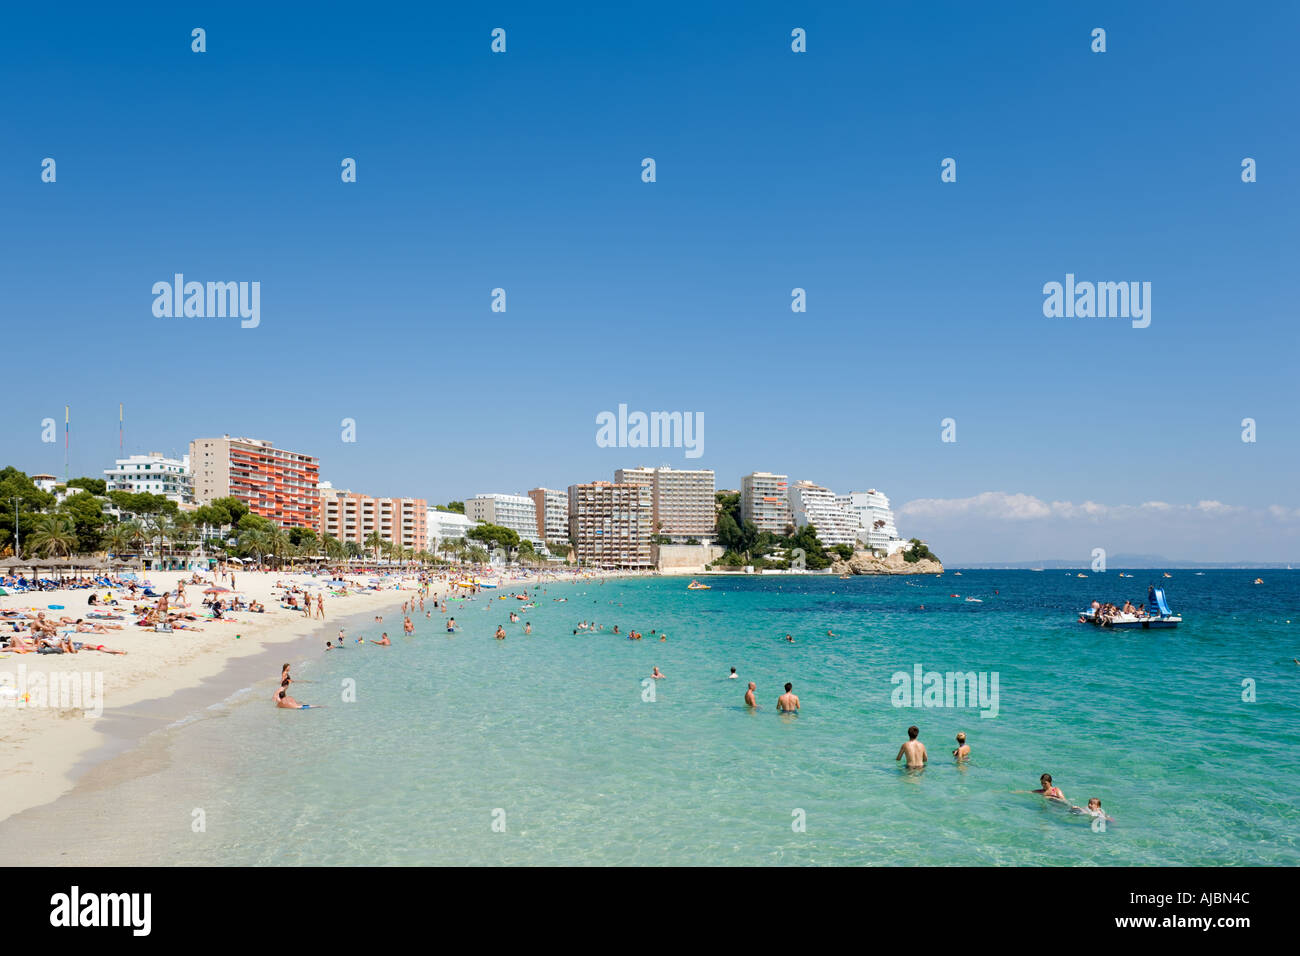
(1259, 580)
(697, 586)
(1155, 616)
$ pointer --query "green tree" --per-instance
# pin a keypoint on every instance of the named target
(233, 507)
(495, 536)
(53, 535)
(96, 486)
(120, 538)
(213, 516)
(88, 520)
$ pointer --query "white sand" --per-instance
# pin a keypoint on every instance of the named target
(41, 747)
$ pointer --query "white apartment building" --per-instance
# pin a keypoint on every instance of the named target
(811, 504)
(683, 505)
(764, 500)
(442, 525)
(876, 529)
(153, 474)
(516, 512)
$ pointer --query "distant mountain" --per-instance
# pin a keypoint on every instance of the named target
(1127, 562)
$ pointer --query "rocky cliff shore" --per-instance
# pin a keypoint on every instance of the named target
(863, 562)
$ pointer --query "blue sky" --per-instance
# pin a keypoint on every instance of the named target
(775, 170)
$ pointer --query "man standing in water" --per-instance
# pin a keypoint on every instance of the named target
(749, 696)
(914, 749)
(788, 703)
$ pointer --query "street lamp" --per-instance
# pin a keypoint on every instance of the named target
(18, 545)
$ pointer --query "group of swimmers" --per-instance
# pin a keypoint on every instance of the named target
(917, 758)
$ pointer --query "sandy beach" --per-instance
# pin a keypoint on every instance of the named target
(43, 749)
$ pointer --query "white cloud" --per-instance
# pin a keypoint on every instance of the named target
(990, 504)
(1004, 506)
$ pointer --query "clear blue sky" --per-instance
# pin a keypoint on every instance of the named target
(775, 170)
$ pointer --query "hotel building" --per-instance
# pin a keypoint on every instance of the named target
(552, 512)
(765, 500)
(811, 504)
(350, 516)
(153, 474)
(279, 485)
(875, 520)
(516, 512)
(682, 502)
(611, 524)
(446, 524)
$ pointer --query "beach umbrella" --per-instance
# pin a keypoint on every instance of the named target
(216, 590)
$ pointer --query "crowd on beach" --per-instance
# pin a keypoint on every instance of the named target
(118, 602)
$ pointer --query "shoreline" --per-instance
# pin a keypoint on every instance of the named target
(45, 753)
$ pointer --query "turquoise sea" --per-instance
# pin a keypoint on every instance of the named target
(551, 736)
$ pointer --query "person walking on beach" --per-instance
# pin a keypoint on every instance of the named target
(750, 700)
(963, 748)
(914, 749)
(320, 606)
(788, 703)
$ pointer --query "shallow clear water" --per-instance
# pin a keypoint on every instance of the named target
(554, 730)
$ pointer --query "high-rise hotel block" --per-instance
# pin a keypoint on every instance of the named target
(764, 500)
(611, 524)
(275, 484)
(682, 502)
(551, 510)
(350, 516)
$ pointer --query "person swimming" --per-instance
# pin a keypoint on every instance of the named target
(914, 749)
(501, 633)
(1094, 810)
(656, 674)
(788, 703)
(383, 640)
(750, 700)
(733, 675)
(963, 748)
(1048, 790)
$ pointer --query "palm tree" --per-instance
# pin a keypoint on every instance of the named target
(53, 535)
(375, 541)
(183, 532)
(119, 538)
(254, 541)
(277, 542)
